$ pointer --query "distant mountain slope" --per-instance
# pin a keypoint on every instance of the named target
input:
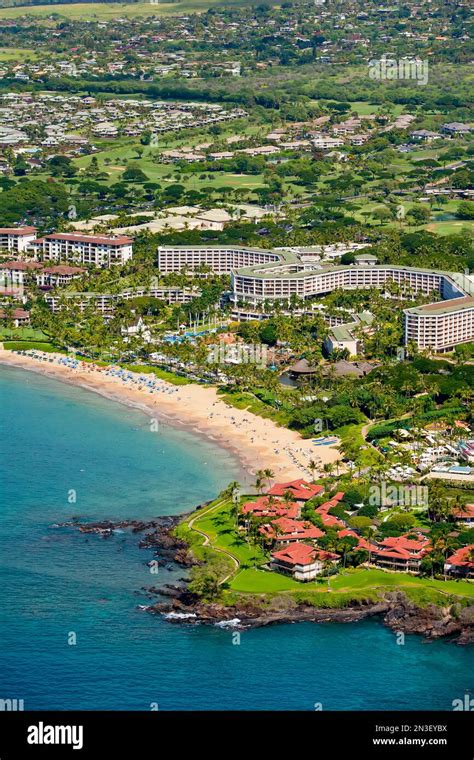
(20, 3)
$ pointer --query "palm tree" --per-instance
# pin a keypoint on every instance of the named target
(260, 480)
(328, 468)
(370, 533)
(312, 467)
(327, 566)
(269, 475)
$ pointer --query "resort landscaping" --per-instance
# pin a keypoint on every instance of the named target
(242, 560)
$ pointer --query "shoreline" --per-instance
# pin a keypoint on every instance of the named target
(176, 604)
(257, 443)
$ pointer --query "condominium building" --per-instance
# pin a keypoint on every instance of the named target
(279, 282)
(211, 259)
(105, 303)
(15, 274)
(16, 238)
(441, 326)
(96, 250)
(57, 276)
(302, 561)
(169, 294)
(260, 276)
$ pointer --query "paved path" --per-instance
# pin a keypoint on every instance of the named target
(207, 539)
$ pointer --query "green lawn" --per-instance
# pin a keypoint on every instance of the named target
(16, 54)
(219, 525)
(255, 581)
(242, 400)
(22, 333)
(23, 345)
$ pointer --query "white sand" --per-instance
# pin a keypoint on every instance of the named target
(259, 443)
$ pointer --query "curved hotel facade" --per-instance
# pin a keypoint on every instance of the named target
(259, 275)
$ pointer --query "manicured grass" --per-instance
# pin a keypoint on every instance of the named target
(242, 400)
(24, 345)
(22, 333)
(450, 227)
(253, 581)
(365, 109)
(352, 434)
(374, 581)
(219, 525)
(16, 54)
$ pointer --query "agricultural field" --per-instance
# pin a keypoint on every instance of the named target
(107, 11)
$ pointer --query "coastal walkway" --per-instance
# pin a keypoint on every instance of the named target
(207, 539)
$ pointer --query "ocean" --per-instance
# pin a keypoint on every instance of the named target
(72, 635)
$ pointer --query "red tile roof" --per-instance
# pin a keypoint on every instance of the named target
(16, 314)
(263, 507)
(302, 554)
(21, 266)
(17, 230)
(63, 269)
(366, 546)
(300, 489)
(297, 554)
(100, 239)
(289, 530)
(460, 558)
(465, 512)
(401, 547)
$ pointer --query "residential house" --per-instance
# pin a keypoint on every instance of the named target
(301, 561)
(461, 563)
(401, 552)
(300, 489)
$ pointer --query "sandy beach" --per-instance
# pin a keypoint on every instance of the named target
(259, 443)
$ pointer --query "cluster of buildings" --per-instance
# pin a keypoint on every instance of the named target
(450, 129)
(294, 541)
(260, 277)
(14, 275)
(40, 125)
(187, 218)
(106, 303)
(437, 448)
(89, 250)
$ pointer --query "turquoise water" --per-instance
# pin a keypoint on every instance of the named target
(55, 438)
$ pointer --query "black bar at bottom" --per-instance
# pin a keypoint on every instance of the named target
(139, 734)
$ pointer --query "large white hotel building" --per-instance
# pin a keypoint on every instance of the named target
(219, 260)
(16, 238)
(96, 250)
(260, 276)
